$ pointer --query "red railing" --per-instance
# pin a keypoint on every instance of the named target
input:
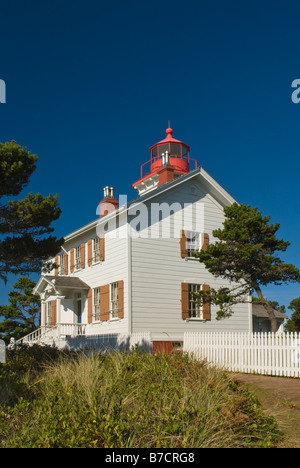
(144, 173)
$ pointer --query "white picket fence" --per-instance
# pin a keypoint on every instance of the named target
(261, 353)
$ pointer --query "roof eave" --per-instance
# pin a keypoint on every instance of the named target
(224, 196)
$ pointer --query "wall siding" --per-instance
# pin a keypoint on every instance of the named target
(158, 271)
(152, 271)
(113, 268)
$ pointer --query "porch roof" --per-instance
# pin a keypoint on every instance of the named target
(68, 282)
(60, 282)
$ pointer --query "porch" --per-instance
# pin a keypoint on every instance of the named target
(50, 335)
(77, 336)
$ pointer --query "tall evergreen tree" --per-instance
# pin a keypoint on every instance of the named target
(21, 315)
(25, 224)
(247, 254)
(293, 325)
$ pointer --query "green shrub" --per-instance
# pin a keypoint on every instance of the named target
(22, 365)
(123, 400)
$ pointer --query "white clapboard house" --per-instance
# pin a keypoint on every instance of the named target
(127, 277)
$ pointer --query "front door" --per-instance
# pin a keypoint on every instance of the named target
(79, 312)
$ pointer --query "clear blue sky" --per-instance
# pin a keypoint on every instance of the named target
(91, 86)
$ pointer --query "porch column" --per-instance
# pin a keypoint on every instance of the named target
(43, 309)
(58, 311)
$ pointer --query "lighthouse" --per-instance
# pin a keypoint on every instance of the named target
(169, 159)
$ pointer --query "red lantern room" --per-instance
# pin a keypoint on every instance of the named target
(170, 158)
(177, 151)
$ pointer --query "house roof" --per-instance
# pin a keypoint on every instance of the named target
(68, 282)
(259, 311)
(207, 181)
(60, 282)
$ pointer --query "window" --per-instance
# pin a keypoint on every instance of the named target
(195, 309)
(96, 250)
(154, 152)
(192, 242)
(49, 313)
(177, 345)
(175, 149)
(77, 258)
(184, 152)
(114, 300)
(61, 269)
(97, 304)
(162, 149)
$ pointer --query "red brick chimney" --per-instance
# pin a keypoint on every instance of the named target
(166, 172)
(109, 202)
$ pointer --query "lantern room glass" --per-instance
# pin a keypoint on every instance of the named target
(177, 150)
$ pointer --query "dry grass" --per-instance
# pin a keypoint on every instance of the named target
(135, 400)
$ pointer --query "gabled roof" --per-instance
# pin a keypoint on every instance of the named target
(259, 311)
(60, 282)
(199, 172)
(67, 282)
(221, 195)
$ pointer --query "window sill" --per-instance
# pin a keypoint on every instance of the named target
(116, 319)
(191, 258)
(77, 270)
(99, 262)
(195, 319)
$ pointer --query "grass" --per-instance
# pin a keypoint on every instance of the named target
(285, 413)
(127, 400)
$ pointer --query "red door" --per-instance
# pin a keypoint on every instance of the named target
(162, 347)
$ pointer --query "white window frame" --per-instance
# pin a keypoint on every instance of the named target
(195, 309)
(114, 300)
(193, 242)
(96, 304)
(49, 313)
(96, 250)
(77, 259)
(61, 268)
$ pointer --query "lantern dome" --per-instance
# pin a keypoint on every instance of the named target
(169, 159)
(178, 153)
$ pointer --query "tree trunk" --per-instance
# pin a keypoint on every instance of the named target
(269, 309)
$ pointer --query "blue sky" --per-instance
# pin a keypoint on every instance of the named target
(91, 86)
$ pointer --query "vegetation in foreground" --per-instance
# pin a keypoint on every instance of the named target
(123, 400)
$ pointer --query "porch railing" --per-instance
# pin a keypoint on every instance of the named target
(71, 329)
(44, 334)
(31, 337)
